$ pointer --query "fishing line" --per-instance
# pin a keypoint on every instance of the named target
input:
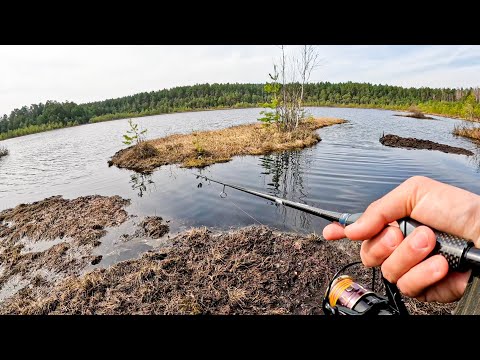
(223, 195)
(245, 212)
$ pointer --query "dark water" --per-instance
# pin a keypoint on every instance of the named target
(346, 171)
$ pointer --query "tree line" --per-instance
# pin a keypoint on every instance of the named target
(462, 103)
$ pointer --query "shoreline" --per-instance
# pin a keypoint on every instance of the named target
(247, 270)
(133, 116)
(45, 242)
(348, 106)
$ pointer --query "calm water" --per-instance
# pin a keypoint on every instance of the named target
(346, 171)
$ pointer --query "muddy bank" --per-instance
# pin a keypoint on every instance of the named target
(416, 116)
(53, 238)
(48, 240)
(152, 227)
(204, 148)
(416, 113)
(252, 270)
(413, 143)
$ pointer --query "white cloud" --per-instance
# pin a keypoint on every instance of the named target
(33, 74)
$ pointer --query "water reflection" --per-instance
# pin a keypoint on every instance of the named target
(142, 183)
(284, 173)
(474, 160)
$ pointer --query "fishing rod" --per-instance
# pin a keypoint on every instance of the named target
(460, 254)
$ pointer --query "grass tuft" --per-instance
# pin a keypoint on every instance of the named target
(467, 131)
(3, 151)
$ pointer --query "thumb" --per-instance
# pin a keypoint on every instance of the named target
(393, 206)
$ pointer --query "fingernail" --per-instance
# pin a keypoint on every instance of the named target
(420, 240)
(390, 239)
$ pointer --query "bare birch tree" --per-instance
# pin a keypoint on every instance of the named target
(308, 62)
(294, 73)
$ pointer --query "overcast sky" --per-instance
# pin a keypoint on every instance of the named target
(33, 74)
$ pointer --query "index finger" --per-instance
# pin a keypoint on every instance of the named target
(438, 205)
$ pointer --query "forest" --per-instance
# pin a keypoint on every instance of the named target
(461, 103)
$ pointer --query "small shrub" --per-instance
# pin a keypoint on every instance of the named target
(134, 135)
(145, 150)
(416, 112)
(3, 151)
(199, 149)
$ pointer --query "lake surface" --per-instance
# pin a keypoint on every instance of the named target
(345, 172)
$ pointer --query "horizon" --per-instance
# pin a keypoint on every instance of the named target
(86, 74)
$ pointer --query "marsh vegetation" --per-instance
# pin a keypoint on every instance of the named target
(203, 148)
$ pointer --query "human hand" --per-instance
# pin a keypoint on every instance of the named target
(441, 206)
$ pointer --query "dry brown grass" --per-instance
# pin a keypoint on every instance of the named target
(253, 270)
(467, 131)
(204, 148)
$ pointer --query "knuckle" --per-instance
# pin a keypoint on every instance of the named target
(374, 205)
(416, 181)
(412, 187)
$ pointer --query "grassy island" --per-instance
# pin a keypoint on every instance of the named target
(204, 148)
